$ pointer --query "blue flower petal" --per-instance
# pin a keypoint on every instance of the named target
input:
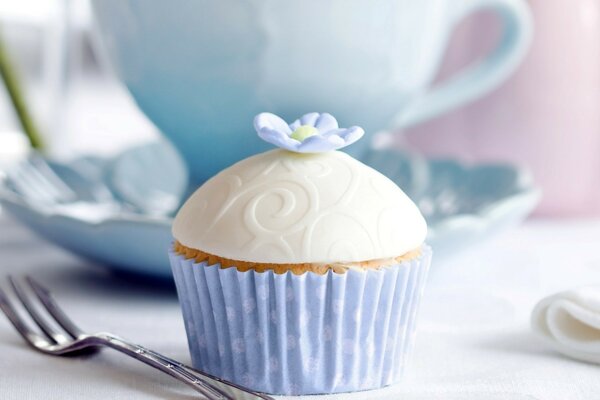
(352, 134)
(271, 121)
(295, 125)
(334, 132)
(325, 123)
(320, 144)
(278, 138)
(309, 119)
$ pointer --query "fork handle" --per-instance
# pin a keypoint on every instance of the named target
(241, 391)
(163, 364)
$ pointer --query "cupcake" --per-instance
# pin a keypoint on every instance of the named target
(299, 270)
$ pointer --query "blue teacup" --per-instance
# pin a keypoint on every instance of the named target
(201, 69)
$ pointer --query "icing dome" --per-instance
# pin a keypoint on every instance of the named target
(285, 207)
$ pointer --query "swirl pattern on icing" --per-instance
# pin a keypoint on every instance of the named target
(283, 207)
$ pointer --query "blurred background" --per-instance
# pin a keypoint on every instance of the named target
(483, 111)
(543, 117)
(67, 85)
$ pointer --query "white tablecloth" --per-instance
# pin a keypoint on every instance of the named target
(474, 340)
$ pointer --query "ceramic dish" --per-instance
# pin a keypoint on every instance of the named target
(462, 204)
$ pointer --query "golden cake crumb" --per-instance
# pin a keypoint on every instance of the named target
(297, 269)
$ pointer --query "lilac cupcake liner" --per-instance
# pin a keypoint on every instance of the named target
(301, 334)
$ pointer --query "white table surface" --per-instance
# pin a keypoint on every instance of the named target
(474, 340)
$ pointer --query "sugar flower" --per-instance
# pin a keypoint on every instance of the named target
(312, 133)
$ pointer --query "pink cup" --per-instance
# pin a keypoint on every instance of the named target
(546, 117)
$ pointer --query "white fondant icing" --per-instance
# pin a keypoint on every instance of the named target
(284, 207)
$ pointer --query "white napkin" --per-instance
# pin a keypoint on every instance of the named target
(570, 322)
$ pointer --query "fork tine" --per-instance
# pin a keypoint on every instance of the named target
(22, 181)
(39, 181)
(52, 307)
(30, 336)
(58, 337)
(48, 178)
(35, 179)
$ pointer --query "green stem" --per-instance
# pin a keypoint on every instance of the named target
(13, 87)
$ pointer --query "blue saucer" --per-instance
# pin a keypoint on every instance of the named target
(462, 204)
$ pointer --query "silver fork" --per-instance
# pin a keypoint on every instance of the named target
(35, 179)
(73, 341)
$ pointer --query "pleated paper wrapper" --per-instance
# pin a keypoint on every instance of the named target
(301, 334)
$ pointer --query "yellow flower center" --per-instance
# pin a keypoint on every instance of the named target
(303, 132)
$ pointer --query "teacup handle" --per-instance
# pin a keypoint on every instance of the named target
(484, 75)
